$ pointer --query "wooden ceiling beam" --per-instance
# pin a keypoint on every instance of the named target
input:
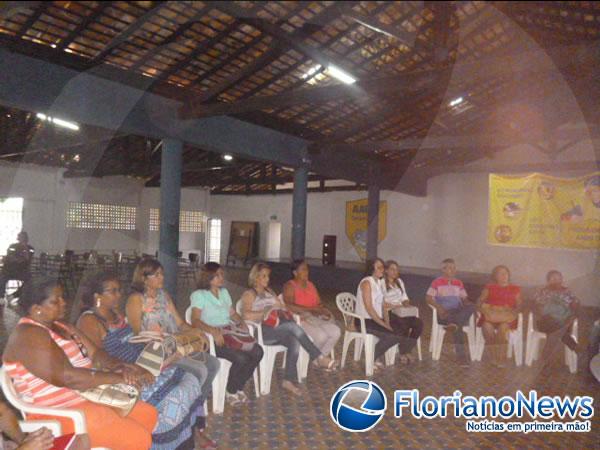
(128, 31)
(276, 50)
(202, 47)
(361, 90)
(31, 20)
(81, 26)
(286, 38)
(174, 37)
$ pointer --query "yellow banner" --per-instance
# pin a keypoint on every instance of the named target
(356, 224)
(542, 211)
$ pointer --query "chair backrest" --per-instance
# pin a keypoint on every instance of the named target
(434, 319)
(346, 303)
(530, 326)
(9, 391)
(188, 315)
(238, 307)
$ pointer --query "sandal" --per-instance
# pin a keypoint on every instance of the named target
(290, 387)
(378, 367)
(328, 367)
(208, 443)
(233, 399)
(242, 396)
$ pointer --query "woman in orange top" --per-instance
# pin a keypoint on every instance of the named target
(499, 304)
(301, 297)
(49, 361)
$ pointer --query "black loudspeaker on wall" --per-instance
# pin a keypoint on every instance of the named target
(329, 250)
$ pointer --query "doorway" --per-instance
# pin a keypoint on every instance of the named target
(274, 240)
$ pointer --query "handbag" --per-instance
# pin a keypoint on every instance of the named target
(162, 348)
(158, 353)
(498, 314)
(122, 397)
(557, 309)
(237, 338)
(275, 316)
(188, 343)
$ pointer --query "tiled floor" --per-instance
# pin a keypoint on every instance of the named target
(280, 420)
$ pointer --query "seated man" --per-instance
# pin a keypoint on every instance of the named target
(448, 296)
(17, 263)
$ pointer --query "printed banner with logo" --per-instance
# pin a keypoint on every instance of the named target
(356, 224)
(542, 211)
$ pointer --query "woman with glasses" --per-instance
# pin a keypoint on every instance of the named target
(150, 308)
(49, 361)
(102, 322)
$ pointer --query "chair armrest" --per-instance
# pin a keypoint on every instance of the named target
(75, 415)
(530, 326)
(256, 330)
(346, 313)
(29, 426)
(211, 343)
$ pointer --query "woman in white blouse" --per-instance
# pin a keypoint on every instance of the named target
(404, 316)
(371, 305)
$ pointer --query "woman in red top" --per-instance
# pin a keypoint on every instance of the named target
(301, 297)
(498, 305)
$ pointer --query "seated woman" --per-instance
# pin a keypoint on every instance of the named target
(371, 305)
(499, 305)
(150, 308)
(49, 361)
(396, 300)
(104, 325)
(556, 309)
(258, 301)
(302, 298)
(211, 310)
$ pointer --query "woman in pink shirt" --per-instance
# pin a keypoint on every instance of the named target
(499, 303)
(301, 297)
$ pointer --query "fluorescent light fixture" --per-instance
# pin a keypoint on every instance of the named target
(59, 122)
(312, 71)
(456, 101)
(53, 45)
(339, 74)
(228, 157)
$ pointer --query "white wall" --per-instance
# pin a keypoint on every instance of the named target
(450, 222)
(47, 194)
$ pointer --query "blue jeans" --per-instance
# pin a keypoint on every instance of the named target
(460, 317)
(291, 336)
(204, 367)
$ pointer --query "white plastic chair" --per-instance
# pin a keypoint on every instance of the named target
(438, 332)
(219, 384)
(267, 363)
(410, 311)
(76, 416)
(346, 303)
(515, 342)
(534, 338)
(304, 359)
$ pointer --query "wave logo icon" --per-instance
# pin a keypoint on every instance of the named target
(358, 406)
